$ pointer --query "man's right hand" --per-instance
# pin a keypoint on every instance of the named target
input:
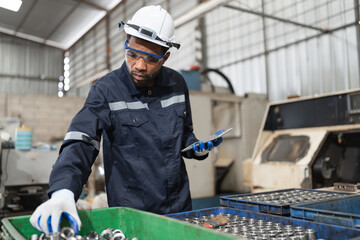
(47, 217)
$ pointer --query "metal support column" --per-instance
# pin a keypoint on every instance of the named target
(266, 54)
(202, 30)
(357, 26)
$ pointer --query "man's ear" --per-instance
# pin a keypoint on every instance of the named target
(166, 57)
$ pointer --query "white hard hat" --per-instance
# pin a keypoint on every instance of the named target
(154, 24)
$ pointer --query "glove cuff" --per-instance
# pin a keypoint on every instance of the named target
(65, 194)
(199, 154)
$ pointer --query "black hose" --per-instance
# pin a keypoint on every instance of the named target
(205, 71)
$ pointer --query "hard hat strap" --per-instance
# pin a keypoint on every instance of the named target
(147, 32)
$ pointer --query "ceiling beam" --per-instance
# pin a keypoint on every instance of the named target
(25, 17)
(198, 11)
(32, 38)
(83, 36)
(276, 18)
(62, 20)
(95, 6)
(317, 35)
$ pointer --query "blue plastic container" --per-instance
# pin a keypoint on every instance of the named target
(325, 231)
(342, 212)
(267, 207)
(23, 138)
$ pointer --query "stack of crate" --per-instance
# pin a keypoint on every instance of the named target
(332, 215)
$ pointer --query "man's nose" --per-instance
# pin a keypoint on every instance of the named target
(140, 64)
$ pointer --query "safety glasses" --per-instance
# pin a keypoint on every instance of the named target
(148, 57)
(149, 33)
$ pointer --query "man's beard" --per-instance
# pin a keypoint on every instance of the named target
(147, 78)
(143, 83)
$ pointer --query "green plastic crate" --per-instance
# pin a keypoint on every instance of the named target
(134, 223)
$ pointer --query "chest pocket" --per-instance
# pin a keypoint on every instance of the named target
(131, 126)
(134, 120)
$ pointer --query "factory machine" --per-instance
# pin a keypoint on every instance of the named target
(24, 176)
(310, 142)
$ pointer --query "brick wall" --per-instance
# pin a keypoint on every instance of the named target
(48, 116)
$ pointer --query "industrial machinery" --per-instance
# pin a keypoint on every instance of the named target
(24, 178)
(310, 142)
(24, 174)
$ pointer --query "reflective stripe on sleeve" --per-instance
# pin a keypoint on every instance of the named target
(172, 100)
(127, 105)
(82, 137)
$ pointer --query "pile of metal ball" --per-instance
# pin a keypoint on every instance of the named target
(255, 229)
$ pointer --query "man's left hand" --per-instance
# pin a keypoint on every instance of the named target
(200, 148)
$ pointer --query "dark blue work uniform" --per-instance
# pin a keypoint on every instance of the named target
(144, 130)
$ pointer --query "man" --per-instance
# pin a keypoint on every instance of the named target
(142, 110)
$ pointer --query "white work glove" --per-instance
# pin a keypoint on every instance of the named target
(47, 217)
(199, 149)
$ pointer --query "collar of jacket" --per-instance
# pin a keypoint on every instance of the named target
(160, 80)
